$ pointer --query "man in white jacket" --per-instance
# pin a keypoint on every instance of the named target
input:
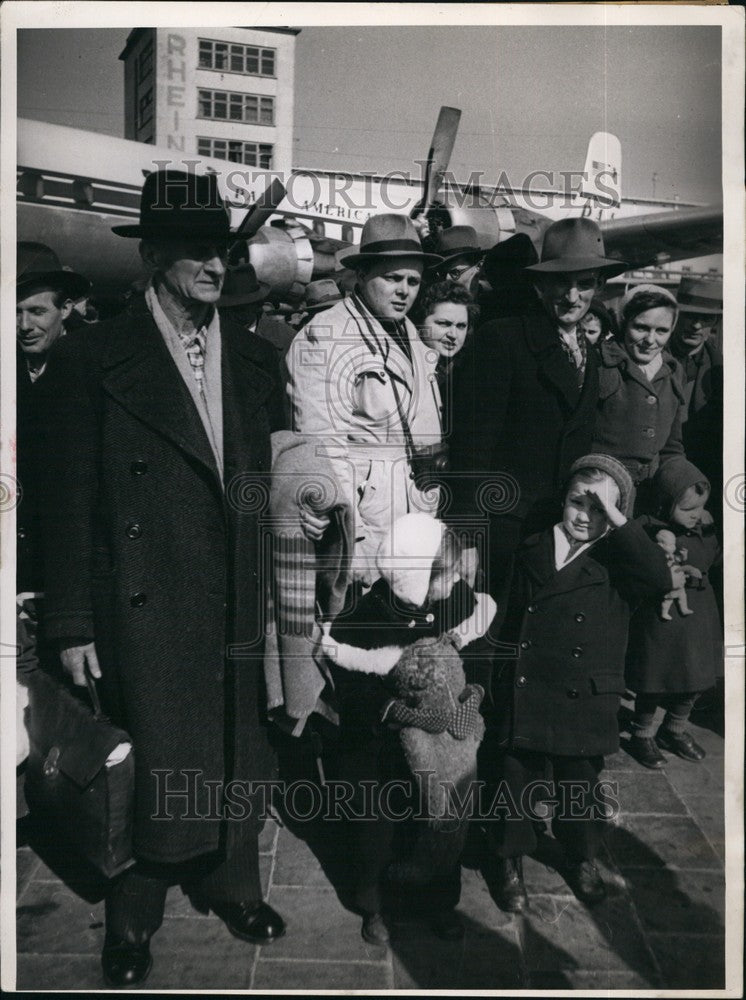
(362, 381)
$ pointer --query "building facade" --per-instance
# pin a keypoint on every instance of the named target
(220, 92)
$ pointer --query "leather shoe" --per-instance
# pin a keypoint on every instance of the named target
(125, 964)
(510, 890)
(682, 744)
(585, 881)
(645, 750)
(256, 923)
(374, 930)
(448, 926)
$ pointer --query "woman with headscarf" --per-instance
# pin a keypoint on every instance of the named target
(640, 400)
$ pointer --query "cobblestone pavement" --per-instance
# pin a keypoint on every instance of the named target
(662, 925)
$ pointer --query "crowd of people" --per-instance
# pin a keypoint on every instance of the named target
(493, 504)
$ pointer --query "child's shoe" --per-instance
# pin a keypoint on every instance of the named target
(645, 750)
(374, 930)
(682, 744)
(585, 881)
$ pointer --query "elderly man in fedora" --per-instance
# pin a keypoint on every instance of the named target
(363, 383)
(525, 400)
(159, 429)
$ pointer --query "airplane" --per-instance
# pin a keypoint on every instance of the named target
(73, 186)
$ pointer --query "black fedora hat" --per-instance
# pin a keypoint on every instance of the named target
(457, 242)
(38, 266)
(241, 287)
(179, 205)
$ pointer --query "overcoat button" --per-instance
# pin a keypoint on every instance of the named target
(526, 644)
(572, 693)
(138, 600)
(652, 400)
(521, 681)
(649, 432)
(133, 531)
(580, 617)
(430, 618)
(22, 533)
(577, 652)
(531, 609)
(139, 468)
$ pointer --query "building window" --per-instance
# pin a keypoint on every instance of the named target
(250, 109)
(250, 154)
(145, 62)
(251, 60)
(145, 108)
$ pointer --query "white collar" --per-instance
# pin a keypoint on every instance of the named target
(562, 555)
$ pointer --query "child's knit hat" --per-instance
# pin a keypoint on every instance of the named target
(405, 556)
(613, 468)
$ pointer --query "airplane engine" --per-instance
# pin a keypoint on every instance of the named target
(492, 222)
(284, 259)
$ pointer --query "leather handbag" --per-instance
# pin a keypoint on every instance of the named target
(86, 802)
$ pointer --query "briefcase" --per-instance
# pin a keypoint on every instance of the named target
(86, 803)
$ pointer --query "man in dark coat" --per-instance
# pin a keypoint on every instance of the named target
(159, 451)
(694, 345)
(524, 403)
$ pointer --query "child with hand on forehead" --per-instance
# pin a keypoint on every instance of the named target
(671, 660)
(573, 590)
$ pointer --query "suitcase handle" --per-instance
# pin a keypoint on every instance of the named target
(93, 692)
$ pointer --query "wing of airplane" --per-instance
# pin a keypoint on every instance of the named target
(665, 236)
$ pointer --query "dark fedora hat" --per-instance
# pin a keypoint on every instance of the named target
(241, 287)
(457, 241)
(38, 266)
(179, 205)
(508, 257)
(321, 294)
(576, 245)
(386, 235)
(698, 295)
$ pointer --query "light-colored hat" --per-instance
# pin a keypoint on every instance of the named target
(386, 235)
(700, 296)
(646, 288)
(576, 245)
(405, 556)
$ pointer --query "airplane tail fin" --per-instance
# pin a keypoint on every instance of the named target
(602, 175)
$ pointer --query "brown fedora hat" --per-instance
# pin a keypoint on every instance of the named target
(697, 295)
(241, 287)
(38, 266)
(386, 235)
(180, 205)
(457, 241)
(576, 245)
(321, 294)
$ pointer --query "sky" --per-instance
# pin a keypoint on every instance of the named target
(367, 97)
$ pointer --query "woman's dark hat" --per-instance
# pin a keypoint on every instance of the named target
(179, 205)
(383, 236)
(38, 266)
(457, 242)
(509, 256)
(576, 245)
(241, 287)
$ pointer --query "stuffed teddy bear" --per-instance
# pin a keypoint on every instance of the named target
(441, 728)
